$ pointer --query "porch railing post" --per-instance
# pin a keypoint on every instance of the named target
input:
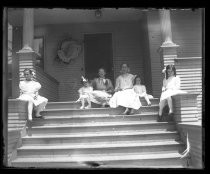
(168, 48)
(27, 57)
(185, 107)
(28, 28)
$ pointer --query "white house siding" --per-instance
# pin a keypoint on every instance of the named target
(187, 32)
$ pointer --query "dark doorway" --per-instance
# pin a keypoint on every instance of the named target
(98, 53)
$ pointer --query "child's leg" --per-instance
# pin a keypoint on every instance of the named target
(147, 99)
(30, 109)
(83, 103)
(161, 106)
(132, 111)
(89, 102)
(40, 108)
(126, 111)
(170, 105)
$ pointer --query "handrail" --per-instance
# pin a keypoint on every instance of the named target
(47, 75)
(187, 58)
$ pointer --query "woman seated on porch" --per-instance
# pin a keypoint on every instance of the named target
(125, 95)
(29, 92)
(103, 89)
(171, 87)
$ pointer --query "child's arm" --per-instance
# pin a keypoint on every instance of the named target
(135, 89)
(110, 87)
(144, 91)
(177, 83)
(80, 91)
(117, 85)
(164, 85)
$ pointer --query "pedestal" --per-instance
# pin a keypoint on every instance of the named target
(169, 53)
(27, 59)
(185, 107)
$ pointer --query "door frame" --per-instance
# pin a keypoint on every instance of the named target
(113, 49)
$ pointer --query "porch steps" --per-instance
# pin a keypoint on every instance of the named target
(155, 160)
(96, 127)
(95, 111)
(101, 137)
(74, 105)
(68, 137)
(51, 120)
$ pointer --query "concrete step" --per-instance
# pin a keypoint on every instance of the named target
(74, 105)
(96, 138)
(154, 160)
(93, 118)
(95, 111)
(86, 149)
(101, 127)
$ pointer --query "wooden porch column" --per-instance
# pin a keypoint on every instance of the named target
(169, 52)
(28, 28)
(27, 57)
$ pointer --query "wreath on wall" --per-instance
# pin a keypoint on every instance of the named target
(68, 50)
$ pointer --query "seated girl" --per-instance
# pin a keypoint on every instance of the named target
(85, 94)
(29, 92)
(171, 87)
(141, 90)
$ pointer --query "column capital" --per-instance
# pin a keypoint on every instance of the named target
(169, 44)
(26, 49)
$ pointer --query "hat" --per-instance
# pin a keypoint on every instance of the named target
(84, 80)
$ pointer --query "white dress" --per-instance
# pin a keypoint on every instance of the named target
(85, 92)
(141, 91)
(29, 92)
(171, 87)
(127, 96)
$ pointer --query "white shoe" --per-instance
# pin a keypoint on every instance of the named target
(87, 107)
(82, 107)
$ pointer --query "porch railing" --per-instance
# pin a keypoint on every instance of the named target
(188, 124)
(195, 136)
(50, 86)
(17, 120)
(189, 69)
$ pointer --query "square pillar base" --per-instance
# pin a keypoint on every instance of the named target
(185, 107)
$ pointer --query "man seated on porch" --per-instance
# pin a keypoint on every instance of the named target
(103, 89)
(29, 92)
(171, 87)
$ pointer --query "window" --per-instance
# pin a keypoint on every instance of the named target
(39, 49)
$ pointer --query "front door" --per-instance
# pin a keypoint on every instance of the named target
(98, 53)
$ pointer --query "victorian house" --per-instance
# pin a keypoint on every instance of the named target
(61, 45)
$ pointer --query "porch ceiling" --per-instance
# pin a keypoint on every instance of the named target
(60, 15)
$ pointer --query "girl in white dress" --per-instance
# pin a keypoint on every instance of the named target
(29, 92)
(85, 94)
(124, 93)
(171, 87)
(141, 90)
